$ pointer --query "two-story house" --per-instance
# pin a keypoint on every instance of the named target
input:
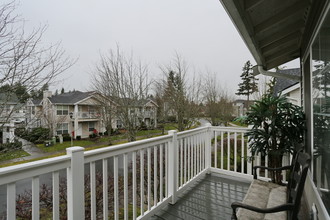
(76, 113)
(12, 115)
(148, 112)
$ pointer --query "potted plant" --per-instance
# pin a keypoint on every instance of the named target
(277, 127)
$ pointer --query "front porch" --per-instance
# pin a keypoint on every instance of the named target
(201, 171)
(208, 198)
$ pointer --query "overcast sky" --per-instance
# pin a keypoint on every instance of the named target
(199, 30)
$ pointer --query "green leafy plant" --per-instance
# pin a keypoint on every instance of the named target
(278, 126)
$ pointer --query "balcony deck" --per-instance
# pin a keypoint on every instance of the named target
(208, 198)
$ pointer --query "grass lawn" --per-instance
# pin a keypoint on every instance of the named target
(12, 155)
(31, 160)
(64, 145)
(104, 141)
(239, 123)
(148, 132)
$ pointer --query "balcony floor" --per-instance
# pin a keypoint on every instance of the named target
(209, 198)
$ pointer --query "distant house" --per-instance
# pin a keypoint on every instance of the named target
(82, 113)
(12, 115)
(143, 110)
(76, 113)
(289, 88)
(240, 107)
(148, 112)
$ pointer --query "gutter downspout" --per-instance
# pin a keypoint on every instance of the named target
(260, 70)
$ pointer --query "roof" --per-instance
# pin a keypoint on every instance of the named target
(36, 101)
(70, 97)
(275, 31)
(282, 83)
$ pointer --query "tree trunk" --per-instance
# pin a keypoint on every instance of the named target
(275, 161)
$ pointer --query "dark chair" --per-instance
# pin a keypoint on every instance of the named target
(298, 172)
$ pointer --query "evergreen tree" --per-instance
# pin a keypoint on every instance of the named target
(249, 83)
(271, 85)
(62, 90)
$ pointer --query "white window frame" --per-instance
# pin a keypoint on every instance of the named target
(60, 128)
(62, 110)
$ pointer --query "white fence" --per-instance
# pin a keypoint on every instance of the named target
(127, 181)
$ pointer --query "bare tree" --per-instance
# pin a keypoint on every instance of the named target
(125, 82)
(181, 96)
(24, 60)
(219, 106)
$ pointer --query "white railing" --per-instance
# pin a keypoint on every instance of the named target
(138, 177)
(88, 115)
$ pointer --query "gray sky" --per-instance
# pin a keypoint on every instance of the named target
(199, 30)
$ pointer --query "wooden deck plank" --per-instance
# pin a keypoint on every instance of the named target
(209, 198)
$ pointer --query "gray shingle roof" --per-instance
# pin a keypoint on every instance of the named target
(282, 84)
(36, 101)
(69, 97)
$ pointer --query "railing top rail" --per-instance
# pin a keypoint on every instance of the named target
(230, 129)
(183, 134)
(36, 168)
(110, 151)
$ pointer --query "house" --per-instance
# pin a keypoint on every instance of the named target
(240, 107)
(289, 88)
(277, 32)
(76, 113)
(147, 111)
(12, 116)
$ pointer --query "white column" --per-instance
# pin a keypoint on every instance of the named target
(75, 121)
(173, 166)
(208, 147)
(75, 184)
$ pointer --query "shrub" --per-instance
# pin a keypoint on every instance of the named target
(78, 137)
(6, 147)
(92, 135)
(36, 135)
(66, 137)
(143, 126)
(171, 119)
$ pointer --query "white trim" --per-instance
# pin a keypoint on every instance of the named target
(291, 88)
(316, 31)
(150, 101)
(77, 103)
(310, 191)
(232, 173)
(312, 194)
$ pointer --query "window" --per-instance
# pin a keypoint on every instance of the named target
(91, 126)
(62, 128)
(62, 110)
(33, 110)
(321, 111)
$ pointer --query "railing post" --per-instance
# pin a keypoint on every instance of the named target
(208, 148)
(248, 156)
(173, 166)
(75, 184)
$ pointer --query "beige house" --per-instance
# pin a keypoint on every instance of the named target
(75, 113)
(83, 113)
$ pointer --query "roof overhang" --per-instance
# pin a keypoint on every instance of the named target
(273, 30)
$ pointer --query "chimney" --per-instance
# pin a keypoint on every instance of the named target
(47, 94)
